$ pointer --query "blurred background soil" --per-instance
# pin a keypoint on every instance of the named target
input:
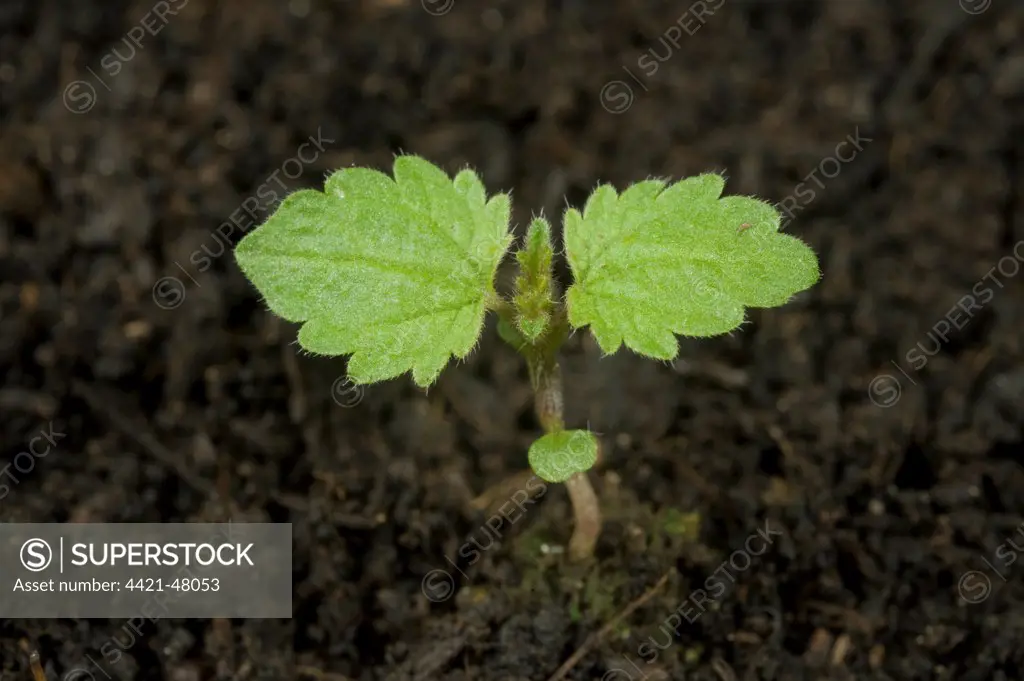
(888, 472)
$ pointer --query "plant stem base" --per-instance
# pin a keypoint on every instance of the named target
(588, 517)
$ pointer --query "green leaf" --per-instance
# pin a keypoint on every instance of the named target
(558, 456)
(661, 260)
(511, 335)
(394, 272)
(534, 284)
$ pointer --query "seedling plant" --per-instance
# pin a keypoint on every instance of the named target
(399, 274)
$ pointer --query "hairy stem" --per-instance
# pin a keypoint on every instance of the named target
(546, 378)
(503, 307)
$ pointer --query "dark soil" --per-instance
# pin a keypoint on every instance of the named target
(891, 501)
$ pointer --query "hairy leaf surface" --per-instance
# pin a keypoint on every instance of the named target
(661, 260)
(394, 272)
